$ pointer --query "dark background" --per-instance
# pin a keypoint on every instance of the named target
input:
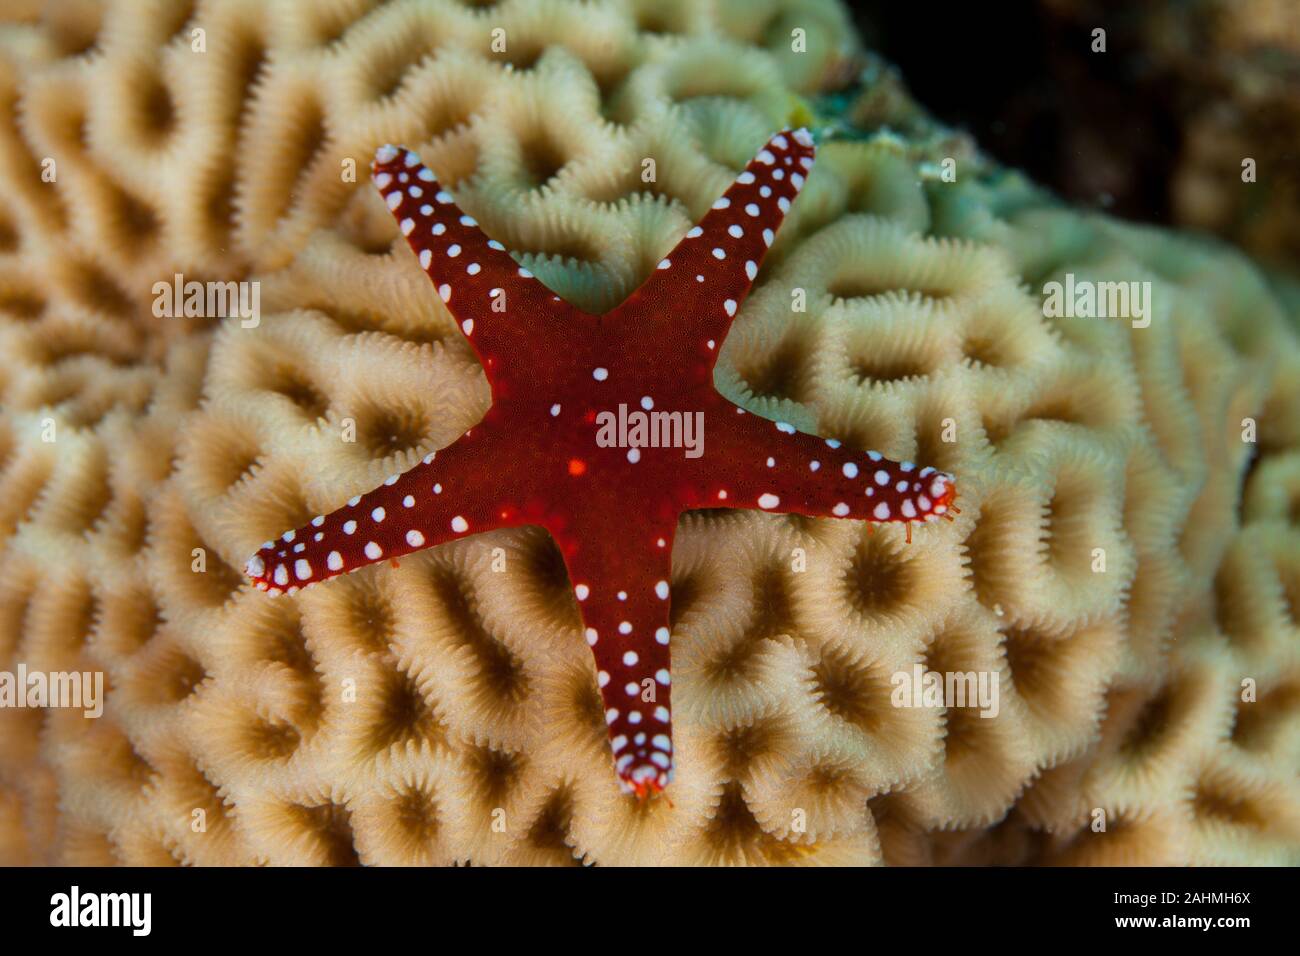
(1154, 129)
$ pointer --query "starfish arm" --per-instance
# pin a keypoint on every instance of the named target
(771, 466)
(447, 495)
(709, 273)
(481, 285)
(620, 578)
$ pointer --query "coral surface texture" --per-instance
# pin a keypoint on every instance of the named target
(1125, 566)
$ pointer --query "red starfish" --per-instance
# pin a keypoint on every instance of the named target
(603, 429)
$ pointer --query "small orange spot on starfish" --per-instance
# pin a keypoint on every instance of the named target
(650, 788)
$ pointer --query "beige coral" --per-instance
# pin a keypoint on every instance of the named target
(446, 710)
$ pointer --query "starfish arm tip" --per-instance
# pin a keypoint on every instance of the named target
(645, 781)
(626, 622)
(477, 279)
(715, 264)
(804, 137)
(407, 512)
(776, 468)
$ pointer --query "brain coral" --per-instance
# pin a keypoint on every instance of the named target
(446, 710)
